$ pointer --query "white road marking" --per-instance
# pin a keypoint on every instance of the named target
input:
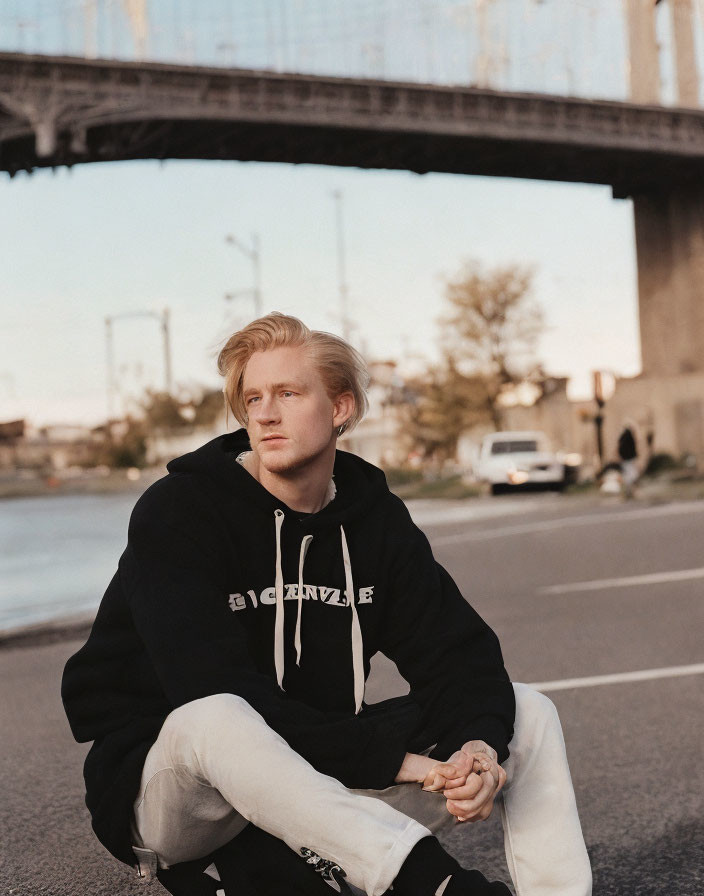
(653, 578)
(434, 512)
(565, 522)
(591, 681)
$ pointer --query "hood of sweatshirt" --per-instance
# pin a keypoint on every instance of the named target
(358, 486)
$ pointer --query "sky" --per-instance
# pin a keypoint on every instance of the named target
(108, 239)
(111, 239)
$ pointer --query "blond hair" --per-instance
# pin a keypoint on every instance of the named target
(341, 367)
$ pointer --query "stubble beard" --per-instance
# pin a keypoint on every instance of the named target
(284, 464)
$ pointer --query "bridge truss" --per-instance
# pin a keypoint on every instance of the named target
(56, 111)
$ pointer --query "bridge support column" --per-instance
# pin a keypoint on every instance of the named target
(669, 227)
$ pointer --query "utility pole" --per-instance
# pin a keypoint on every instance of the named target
(599, 416)
(342, 281)
(167, 350)
(110, 362)
(163, 319)
(253, 253)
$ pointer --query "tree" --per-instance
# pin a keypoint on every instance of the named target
(193, 406)
(492, 328)
(161, 412)
(208, 406)
(444, 404)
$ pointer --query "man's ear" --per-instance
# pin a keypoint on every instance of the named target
(343, 408)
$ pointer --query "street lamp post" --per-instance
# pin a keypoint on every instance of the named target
(341, 266)
(163, 318)
(604, 383)
(110, 362)
(253, 253)
(168, 383)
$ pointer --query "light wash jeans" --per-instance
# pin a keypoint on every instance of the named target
(217, 765)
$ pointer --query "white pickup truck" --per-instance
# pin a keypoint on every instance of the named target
(512, 459)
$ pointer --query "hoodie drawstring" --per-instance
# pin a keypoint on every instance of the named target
(301, 560)
(279, 591)
(357, 643)
(357, 651)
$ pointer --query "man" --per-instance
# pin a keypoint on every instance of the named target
(223, 680)
(628, 457)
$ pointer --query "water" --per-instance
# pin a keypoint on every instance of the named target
(57, 554)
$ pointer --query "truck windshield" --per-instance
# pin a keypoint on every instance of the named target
(516, 447)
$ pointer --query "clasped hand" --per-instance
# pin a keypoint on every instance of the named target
(470, 781)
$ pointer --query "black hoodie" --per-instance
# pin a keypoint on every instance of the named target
(205, 600)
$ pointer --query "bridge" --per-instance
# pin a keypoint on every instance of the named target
(643, 135)
(64, 111)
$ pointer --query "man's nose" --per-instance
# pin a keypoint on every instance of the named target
(266, 410)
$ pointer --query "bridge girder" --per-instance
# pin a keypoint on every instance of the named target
(66, 111)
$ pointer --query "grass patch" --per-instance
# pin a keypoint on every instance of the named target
(581, 488)
(449, 487)
(399, 477)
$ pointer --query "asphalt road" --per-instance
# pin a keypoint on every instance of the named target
(636, 749)
(554, 578)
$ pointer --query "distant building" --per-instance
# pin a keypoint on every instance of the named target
(11, 435)
(164, 445)
(568, 424)
(378, 439)
(53, 448)
(667, 410)
(668, 413)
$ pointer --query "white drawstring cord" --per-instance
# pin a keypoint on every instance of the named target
(279, 590)
(357, 651)
(301, 560)
(357, 643)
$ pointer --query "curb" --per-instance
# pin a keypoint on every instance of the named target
(50, 632)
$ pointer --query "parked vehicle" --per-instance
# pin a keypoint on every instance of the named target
(518, 459)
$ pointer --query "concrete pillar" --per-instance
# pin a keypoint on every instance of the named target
(670, 252)
(643, 63)
(139, 24)
(682, 13)
(45, 137)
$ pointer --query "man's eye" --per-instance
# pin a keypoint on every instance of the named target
(287, 393)
(252, 398)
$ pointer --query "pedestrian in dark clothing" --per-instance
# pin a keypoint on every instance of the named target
(628, 455)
